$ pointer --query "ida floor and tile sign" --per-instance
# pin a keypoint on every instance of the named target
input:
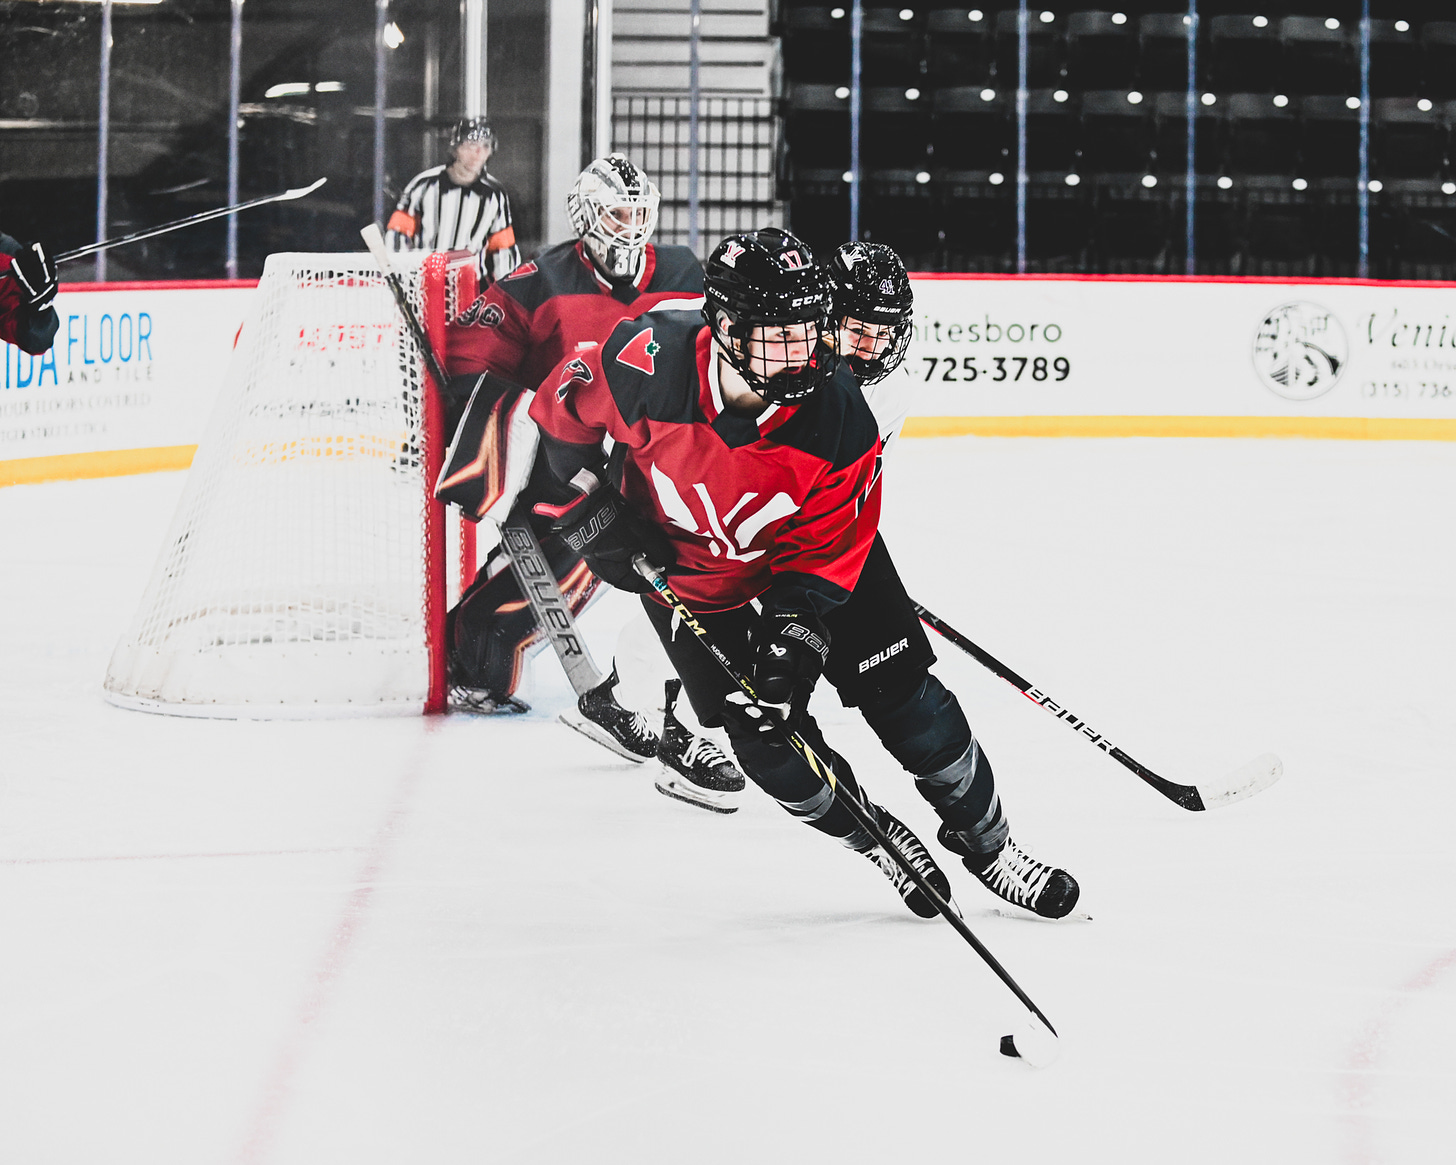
(1165, 357)
(127, 385)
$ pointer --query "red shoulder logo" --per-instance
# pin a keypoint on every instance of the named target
(638, 352)
(575, 372)
(523, 270)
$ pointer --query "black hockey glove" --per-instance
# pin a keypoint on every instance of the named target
(35, 271)
(605, 530)
(789, 649)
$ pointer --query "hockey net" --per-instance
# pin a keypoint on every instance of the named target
(304, 571)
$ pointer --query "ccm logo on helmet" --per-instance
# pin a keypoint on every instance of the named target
(879, 657)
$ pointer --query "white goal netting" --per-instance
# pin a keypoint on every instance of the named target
(302, 574)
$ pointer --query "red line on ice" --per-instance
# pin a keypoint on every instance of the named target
(1356, 1086)
(263, 1125)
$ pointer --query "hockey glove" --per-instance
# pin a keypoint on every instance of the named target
(35, 271)
(605, 530)
(789, 650)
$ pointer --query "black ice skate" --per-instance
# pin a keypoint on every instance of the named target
(599, 717)
(1016, 876)
(912, 848)
(694, 769)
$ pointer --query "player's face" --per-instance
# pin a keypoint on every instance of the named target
(781, 348)
(624, 222)
(867, 341)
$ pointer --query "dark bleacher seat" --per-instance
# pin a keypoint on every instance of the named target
(895, 130)
(1395, 60)
(1044, 66)
(959, 48)
(1278, 238)
(1424, 241)
(1170, 135)
(1052, 131)
(977, 224)
(971, 133)
(1102, 51)
(1162, 51)
(1263, 138)
(819, 208)
(896, 209)
(816, 45)
(1438, 45)
(1244, 55)
(1406, 141)
(1216, 232)
(1058, 228)
(893, 47)
(816, 127)
(1117, 134)
(1132, 231)
(1318, 59)
(1329, 138)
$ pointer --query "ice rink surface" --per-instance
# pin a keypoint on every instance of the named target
(486, 940)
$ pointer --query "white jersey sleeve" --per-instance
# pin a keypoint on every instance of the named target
(890, 401)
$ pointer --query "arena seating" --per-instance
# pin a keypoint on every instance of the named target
(1277, 131)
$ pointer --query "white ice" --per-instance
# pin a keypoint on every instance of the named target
(471, 940)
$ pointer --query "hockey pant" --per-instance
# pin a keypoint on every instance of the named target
(879, 659)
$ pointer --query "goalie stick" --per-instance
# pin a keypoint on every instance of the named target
(1037, 1044)
(1253, 777)
(523, 551)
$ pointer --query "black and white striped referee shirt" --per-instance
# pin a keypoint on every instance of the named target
(433, 214)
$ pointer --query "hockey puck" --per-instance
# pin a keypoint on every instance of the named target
(1008, 1047)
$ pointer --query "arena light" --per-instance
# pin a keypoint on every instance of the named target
(1424, 105)
(392, 36)
(1119, 18)
(289, 89)
(975, 16)
(1402, 26)
(1208, 99)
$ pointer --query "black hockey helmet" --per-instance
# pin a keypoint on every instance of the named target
(871, 287)
(473, 129)
(765, 279)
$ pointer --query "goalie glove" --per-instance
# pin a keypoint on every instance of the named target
(608, 533)
(35, 271)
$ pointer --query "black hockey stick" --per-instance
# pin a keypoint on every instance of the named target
(1258, 774)
(193, 220)
(1034, 1048)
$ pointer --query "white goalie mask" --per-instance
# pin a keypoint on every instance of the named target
(613, 209)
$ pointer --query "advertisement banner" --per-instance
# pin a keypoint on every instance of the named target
(1159, 353)
(134, 370)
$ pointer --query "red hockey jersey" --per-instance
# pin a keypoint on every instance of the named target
(789, 499)
(556, 306)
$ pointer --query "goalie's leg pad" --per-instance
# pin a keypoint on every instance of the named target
(493, 626)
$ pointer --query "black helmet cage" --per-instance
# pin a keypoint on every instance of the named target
(870, 285)
(768, 279)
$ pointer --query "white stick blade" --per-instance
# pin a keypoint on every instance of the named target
(374, 240)
(1254, 777)
(1035, 1043)
(300, 191)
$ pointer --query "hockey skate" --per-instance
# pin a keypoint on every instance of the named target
(599, 717)
(694, 769)
(1019, 878)
(479, 701)
(912, 848)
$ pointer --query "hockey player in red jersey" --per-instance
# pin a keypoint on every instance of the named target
(27, 289)
(558, 307)
(745, 462)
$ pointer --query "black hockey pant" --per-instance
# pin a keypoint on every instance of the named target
(878, 660)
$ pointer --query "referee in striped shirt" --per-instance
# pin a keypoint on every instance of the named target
(458, 206)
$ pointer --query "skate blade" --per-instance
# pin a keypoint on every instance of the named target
(684, 791)
(1032, 916)
(510, 706)
(596, 733)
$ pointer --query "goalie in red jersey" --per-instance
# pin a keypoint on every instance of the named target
(745, 462)
(499, 346)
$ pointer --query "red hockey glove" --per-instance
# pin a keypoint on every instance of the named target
(605, 530)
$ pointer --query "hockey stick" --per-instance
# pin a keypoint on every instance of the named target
(1253, 777)
(1038, 1044)
(528, 563)
(205, 216)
